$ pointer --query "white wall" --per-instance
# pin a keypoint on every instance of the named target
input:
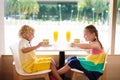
(2, 39)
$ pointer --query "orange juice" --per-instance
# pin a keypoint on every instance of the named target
(68, 35)
(55, 35)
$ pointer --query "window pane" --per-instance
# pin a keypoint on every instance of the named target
(47, 17)
(117, 46)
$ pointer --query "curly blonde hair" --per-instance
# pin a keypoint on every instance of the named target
(26, 29)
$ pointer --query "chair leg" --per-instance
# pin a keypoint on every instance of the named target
(47, 77)
(104, 76)
(74, 76)
(15, 75)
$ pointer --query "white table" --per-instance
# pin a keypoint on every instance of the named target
(59, 47)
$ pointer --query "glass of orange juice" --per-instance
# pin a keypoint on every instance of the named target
(68, 36)
(55, 36)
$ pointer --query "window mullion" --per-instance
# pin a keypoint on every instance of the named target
(112, 22)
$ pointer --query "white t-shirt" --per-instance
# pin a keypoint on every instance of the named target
(23, 43)
(25, 56)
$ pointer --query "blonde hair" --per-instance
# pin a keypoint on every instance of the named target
(26, 29)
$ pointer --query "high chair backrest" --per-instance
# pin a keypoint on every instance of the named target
(107, 51)
(14, 50)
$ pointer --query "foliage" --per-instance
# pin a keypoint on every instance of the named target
(99, 5)
(118, 3)
(22, 7)
(29, 6)
(86, 8)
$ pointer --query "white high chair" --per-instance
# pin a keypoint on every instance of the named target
(19, 72)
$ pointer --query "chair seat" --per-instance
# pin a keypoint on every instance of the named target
(24, 76)
(77, 73)
(76, 70)
(36, 73)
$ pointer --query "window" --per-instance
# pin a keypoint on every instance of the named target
(47, 17)
(117, 37)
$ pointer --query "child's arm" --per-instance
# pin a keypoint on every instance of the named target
(83, 46)
(93, 45)
(28, 49)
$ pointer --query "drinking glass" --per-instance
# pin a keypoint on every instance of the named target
(55, 36)
(68, 36)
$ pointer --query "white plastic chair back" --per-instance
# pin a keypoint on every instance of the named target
(14, 50)
(107, 51)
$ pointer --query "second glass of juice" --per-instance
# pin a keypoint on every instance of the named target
(55, 36)
(68, 36)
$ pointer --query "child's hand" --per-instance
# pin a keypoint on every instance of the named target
(72, 45)
(40, 44)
